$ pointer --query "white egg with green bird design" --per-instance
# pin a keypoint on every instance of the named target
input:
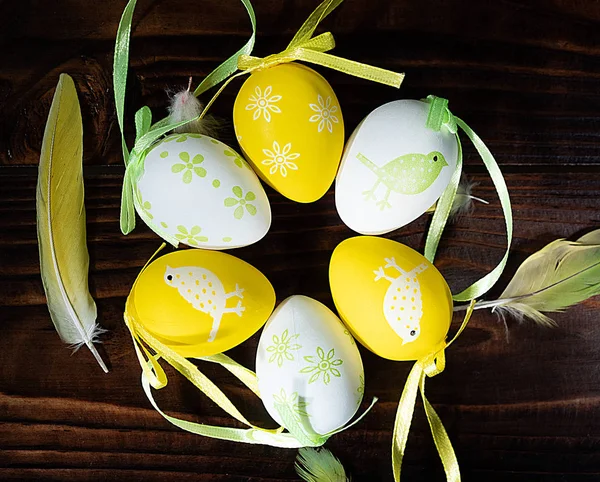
(394, 168)
(308, 364)
(202, 193)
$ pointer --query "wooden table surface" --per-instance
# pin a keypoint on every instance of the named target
(522, 405)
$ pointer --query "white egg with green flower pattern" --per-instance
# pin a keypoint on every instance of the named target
(203, 193)
(309, 362)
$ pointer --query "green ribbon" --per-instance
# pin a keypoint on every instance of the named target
(231, 64)
(302, 47)
(300, 433)
(440, 116)
(146, 133)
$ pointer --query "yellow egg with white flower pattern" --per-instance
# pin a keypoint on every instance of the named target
(393, 300)
(290, 127)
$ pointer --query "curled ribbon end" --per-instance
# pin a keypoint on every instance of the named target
(398, 80)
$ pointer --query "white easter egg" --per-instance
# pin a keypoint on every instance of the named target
(394, 168)
(308, 361)
(203, 193)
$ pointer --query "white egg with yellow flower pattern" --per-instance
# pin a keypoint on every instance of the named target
(308, 363)
(201, 192)
(290, 127)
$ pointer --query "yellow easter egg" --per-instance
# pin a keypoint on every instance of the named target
(394, 301)
(290, 127)
(201, 302)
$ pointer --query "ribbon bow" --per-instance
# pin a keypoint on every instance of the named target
(439, 115)
(313, 50)
(146, 135)
(427, 367)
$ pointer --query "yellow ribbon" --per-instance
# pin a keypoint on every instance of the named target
(300, 435)
(311, 49)
(428, 366)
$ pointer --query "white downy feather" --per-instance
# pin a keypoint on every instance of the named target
(185, 106)
(463, 201)
(64, 259)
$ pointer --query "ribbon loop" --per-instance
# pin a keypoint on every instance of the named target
(429, 366)
(313, 50)
(439, 115)
(300, 433)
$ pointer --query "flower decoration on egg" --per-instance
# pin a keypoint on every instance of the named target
(322, 364)
(361, 387)
(236, 158)
(145, 205)
(190, 237)
(242, 202)
(261, 103)
(296, 406)
(281, 348)
(189, 167)
(324, 114)
(280, 159)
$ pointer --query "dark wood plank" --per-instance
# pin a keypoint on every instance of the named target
(521, 404)
(523, 74)
(516, 409)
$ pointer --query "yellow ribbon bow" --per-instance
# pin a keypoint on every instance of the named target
(313, 50)
(428, 366)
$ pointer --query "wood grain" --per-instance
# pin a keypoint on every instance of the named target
(519, 403)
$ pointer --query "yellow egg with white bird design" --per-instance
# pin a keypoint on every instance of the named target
(289, 125)
(200, 303)
(393, 300)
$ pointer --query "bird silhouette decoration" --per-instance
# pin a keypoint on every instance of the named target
(402, 304)
(204, 291)
(408, 174)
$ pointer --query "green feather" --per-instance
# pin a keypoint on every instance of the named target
(319, 465)
(561, 274)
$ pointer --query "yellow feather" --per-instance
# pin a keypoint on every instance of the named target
(561, 274)
(64, 259)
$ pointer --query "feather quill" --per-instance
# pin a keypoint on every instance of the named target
(64, 258)
(463, 201)
(560, 275)
(320, 465)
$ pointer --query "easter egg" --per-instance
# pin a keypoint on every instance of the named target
(394, 301)
(394, 168)
(309, 362)
(201, 302)
(289, 125)
(203, 193)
